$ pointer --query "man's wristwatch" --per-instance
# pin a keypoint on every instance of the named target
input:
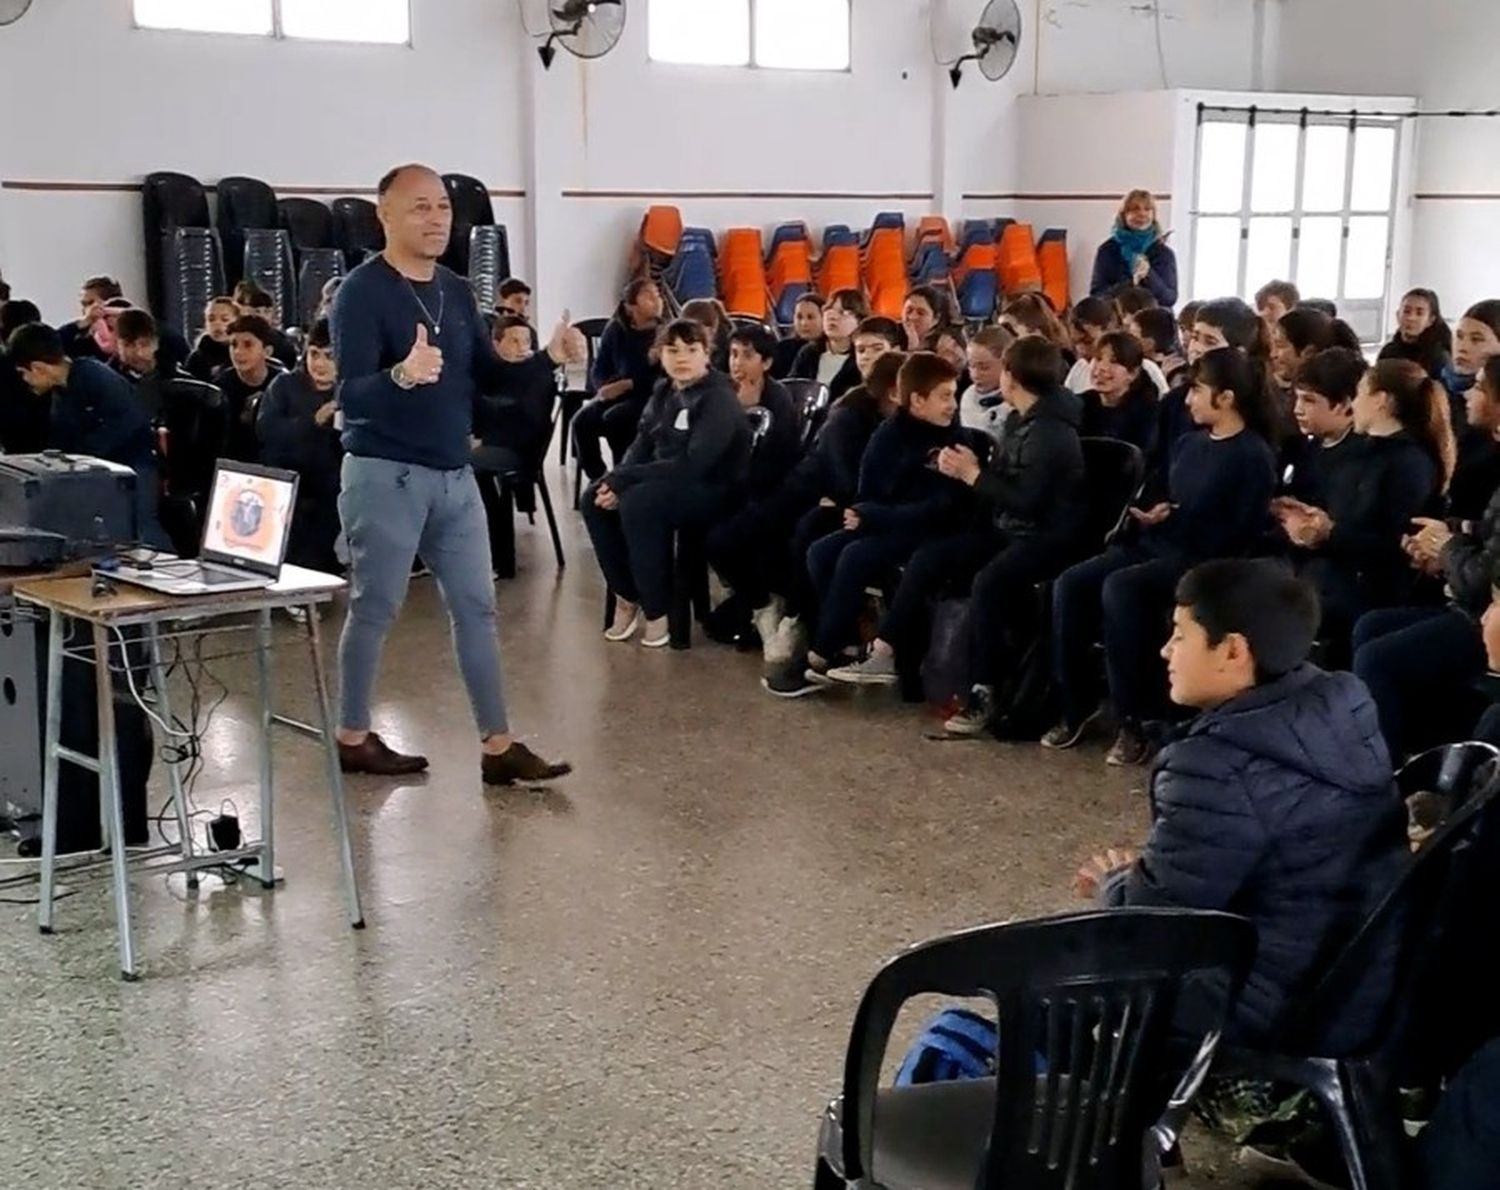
(399, 378)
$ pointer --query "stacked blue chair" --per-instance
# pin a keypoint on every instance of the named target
(786, 233)
(976, 231)
(978, 294)
(836, 235)
(692, 274)
(931, 266)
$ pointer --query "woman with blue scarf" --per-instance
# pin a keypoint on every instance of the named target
(1136, 253)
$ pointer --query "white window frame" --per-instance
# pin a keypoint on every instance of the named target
(751, 63)
(1371, 312)
(277, 31)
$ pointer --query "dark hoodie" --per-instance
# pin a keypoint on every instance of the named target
(1034, 484)
(831, 468)
(1281, 806)
(698, 434)
(901, 491)
(624, 353)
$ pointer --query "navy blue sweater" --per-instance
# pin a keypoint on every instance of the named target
(375, 318)
(1133, 420)
(624, 353)
(901, 491)
(1220, 491)
(781, 448)
(290, 436)
(831, 468)
(1111, 275)
(96, 413)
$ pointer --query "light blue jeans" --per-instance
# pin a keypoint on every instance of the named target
(391, 512)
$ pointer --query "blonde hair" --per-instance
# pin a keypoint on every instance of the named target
(1138, 195)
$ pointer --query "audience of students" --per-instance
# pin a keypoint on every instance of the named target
(254, 302)
(626, 371)
(1136, 253)
(684, 467)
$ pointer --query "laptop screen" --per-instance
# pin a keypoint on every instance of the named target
(249, 517)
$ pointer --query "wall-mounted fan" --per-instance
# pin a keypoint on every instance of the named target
(585, 28)
(996, 39)
(12, 11)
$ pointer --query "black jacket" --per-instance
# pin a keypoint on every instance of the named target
(624, 353)
(805, 367)
(243, 400)
(698, 433)
(1280, 806)
(831, 468)
(290, 438)
(901, 491)
(1469, 561)
(1132, 420)
(1111, 275)
(787, 351)
(207, 358)
(518, 416)
(1034, 484)
(1371, 494)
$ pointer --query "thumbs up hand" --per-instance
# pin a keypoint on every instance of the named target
(424, 363)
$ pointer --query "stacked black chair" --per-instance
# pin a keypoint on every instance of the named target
(309, 222)
(194, 273)
(356, 229)
(170, 201)
(268, 263)
(244, 204)
(1085, 1068)
(318, 267)
(488, 262)
(471, 208)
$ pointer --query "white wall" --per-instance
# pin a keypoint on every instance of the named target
(592, 143)
(1442, 52)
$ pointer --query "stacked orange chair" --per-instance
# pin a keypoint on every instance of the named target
(977, 258)
(884, 267)
(742, 272)
(789, 272)
(838, 268)
(1052, 259)
(661, 232)
(1017, 267)
(934, 229)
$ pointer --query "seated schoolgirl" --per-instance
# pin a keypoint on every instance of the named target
(807, 327)
(1422, 334)
(982, 406)
(1092, 319)
(1122, 402)
(830, 359)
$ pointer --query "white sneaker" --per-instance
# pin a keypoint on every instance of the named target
(767, 621)
(790, 639)
(623, 632)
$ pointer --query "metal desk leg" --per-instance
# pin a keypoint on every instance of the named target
(50, 765)
(335, 773)
(109, 793)
(267, 787)
(174, 772)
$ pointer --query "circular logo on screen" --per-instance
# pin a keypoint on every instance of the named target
(249, 517)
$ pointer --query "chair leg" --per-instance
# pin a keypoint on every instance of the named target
(1368, 1125)
(684, 584)
(505, 530)
(825, 1179)
(551, 514)
(577, 481)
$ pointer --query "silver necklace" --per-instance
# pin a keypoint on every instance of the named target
(437, 323)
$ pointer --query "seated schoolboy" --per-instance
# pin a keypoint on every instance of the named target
(1216, 505)
(139, 359)
(830, 359)
(295, 425)
(1366, 487)
(255, 302)
(1274, 301)
(807, 327)
(1122, 401)
(982, 405)
(690, 456)
(514, 297)
(93, 412)
(211, 352)
(1030, 507)
(760, 552)
(903, 499)
(78, 335)
(1277, 802)
(1156, 328)
(250, 372)
(626, 371)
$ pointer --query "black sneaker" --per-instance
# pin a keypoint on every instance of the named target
(793, 680)
(1131, 747)
(975, 718)
(1067, 735)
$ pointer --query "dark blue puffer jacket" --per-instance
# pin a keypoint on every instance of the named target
(1280, 806)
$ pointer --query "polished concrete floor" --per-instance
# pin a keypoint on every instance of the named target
(641, 979)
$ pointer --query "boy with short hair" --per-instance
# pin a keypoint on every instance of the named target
(1274, 300)
(250, 372)
(253, 301)
(514, 297)
(873, 339)
(1277, 802)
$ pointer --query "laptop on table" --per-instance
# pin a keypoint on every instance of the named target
(245, 536)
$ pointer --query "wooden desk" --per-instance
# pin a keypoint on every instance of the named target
(72, 598)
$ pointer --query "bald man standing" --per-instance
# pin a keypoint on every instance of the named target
(413, 357)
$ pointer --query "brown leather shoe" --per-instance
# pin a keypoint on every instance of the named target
(374, 756)
(520, 763)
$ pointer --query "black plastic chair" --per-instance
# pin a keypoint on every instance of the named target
(309, 221)
(510, 477)
(812, 401)
(470, 200)
(1451, 771)
(168, 201)
(356, 229)
(691, 598)
(195, 418)
(1090, 995)
(319, 266)
(1359, 1092)
(1113, 472)
(268, 263)
(244, 204)
(592, 330)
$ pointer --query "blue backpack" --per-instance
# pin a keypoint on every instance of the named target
(955, 1045)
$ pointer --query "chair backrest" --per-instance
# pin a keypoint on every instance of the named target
(760, 419)
(1093, 995)
(356, 228)
(472, 208)
(268, 262)
(1449, 771)
(1113, 471)
(592, 330)
(1432, 892)
(811, 399)
(192, 271)
(309, 221)
(319, 266)
(244, 203)
(487, 262)
(196, 418)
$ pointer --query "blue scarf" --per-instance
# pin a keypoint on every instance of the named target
(1133, 244)
(1457, 383)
